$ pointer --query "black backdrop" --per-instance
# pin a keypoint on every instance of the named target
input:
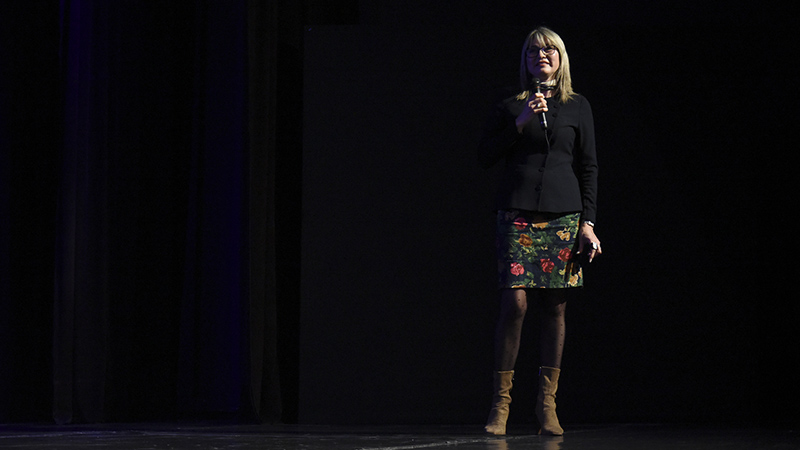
(157, 259)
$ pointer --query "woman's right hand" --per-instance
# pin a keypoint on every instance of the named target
(536, 104)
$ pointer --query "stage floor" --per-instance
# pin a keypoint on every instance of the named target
(290, 437)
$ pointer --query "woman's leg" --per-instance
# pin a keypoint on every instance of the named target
(513, 305)
(552, 307)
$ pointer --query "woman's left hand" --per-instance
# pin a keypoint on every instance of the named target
(588, 240)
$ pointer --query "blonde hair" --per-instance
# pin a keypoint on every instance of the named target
(562, 80)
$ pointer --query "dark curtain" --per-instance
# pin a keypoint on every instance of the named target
(30, 135)
(160, 256)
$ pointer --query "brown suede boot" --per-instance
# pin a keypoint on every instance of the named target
(546, 402)
(502, 398)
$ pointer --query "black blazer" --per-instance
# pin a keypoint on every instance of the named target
(559, 178)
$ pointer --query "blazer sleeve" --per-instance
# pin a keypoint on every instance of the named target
(586, 162)
(498, 137)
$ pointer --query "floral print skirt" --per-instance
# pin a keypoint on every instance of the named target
(537, 250)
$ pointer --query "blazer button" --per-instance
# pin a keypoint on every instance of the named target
(539, 188)
(541, 169)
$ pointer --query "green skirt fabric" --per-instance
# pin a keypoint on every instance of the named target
(537, 250)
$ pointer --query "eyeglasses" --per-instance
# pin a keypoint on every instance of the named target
(534, 50)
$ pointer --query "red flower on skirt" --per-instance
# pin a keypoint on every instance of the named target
(517, 269)
(565, 254)
(547, 265)
(520, 223)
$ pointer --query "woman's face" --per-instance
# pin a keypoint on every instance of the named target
(542, 61)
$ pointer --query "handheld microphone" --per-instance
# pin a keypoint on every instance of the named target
(542, 118)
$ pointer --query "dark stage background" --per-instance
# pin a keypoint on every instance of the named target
(273, 211)
(682, 317)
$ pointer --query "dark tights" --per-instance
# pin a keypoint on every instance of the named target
(513, 306)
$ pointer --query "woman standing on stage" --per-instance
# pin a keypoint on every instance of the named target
(546, 207)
